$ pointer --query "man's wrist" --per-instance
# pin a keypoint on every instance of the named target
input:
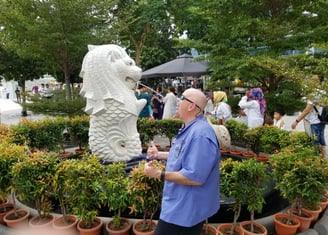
(297, 121)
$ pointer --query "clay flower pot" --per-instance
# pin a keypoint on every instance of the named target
(282, 228)
(43, 222)
(259, 229)
(20, 220)
(137, 231)
(96, 230)
(125, 230)
(4, 209)
(69, 226)
(224, 229)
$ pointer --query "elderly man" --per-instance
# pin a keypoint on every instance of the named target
(191, 188)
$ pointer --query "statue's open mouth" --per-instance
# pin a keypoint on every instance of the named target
(130, 80)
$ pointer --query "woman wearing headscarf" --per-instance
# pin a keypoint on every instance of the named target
(254, 105)
(222, 110)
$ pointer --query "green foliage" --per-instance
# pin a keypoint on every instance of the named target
(301, 176)
(85, 178)
(78, 129)
(237, 131)
(266, 138)
(33, 179)
(169, 127)
(252, 178)
(9, 155)
(145, 192)
(42, 134)
(57, 105)
(115, 187)
(244, 181)
(147, 129)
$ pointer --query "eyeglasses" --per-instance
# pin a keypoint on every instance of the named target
(190, 101)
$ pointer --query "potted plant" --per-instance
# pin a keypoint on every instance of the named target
(170, 128)
(33, 178)
(146, 194)
(254, 177)
(85, 178)
(230, 186)
(236, 130)
(301, 176)
(147, 129)
(117, 198)
(62, 192)
(78, 129)
(9, 155)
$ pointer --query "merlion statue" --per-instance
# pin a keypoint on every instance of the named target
(109, 76)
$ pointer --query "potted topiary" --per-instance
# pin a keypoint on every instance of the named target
(170, 128)
(254, 177)
(237, 131)
(301, 176)
(230, 188)
(33, 178)
(9, 155)
(117, 198)
(78, 129)
(146, 194)
(147, 129)
(85, 177)
(62, 192)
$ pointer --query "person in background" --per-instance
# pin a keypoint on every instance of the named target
(222, 110)
(142, 93)
(191, 179)
(170, 103)
(157, 104)
(210, 104)
(310, 116)
(278, 120)
(255, 105)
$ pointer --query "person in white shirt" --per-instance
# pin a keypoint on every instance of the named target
(222, 110)
(170, 104)
(255, 104)
(277, 119)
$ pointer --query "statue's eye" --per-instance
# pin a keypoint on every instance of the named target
(130, 63)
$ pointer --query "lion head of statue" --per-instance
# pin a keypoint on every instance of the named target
(108, 73)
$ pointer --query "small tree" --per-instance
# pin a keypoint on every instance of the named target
(33, 178)
(169, 127)
(145, 192)
(301, 176)
(117, 196)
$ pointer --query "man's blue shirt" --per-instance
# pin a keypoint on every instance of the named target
(195, 154)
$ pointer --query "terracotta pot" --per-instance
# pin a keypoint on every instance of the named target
(91, 231)
(315, 213)
(79, 151)
(125, 230)
(235, 152)
(20, 220)
(64, 155)
(209, 229)
(259, 229)
(4, 209)
(324, 203)
(248, 154)
(262, 158)
(305, 219)
(224, 229)
(282, 228)
(69, 226)
(224, 150)
(136, 228)
(37, 222)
